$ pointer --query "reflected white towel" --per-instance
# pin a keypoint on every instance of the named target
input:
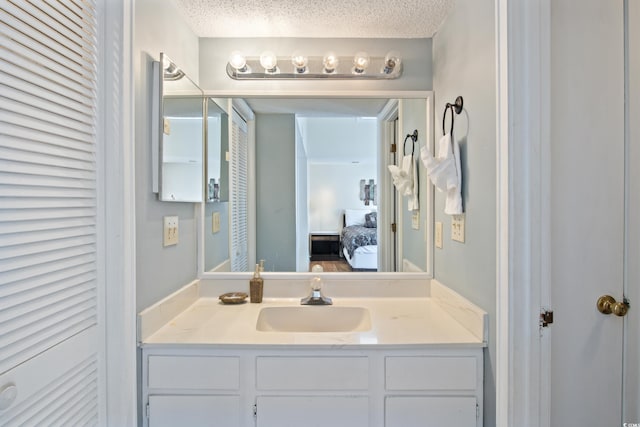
(405, 180)
(413, 204)
(402, 176)
(445, 173)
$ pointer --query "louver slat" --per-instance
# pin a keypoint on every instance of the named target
(238, 194)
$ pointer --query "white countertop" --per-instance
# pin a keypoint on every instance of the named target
(395, 322)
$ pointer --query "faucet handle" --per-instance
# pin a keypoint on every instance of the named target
(316, 283)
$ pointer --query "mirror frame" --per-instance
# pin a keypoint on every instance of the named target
(386, 187)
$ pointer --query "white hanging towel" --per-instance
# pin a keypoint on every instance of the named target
(412, 203)
(405, 180)
(445, 173)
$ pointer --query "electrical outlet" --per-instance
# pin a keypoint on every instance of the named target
(215, 222)
(438, 235)
(170, 230)
(415, 220)
(457, 228)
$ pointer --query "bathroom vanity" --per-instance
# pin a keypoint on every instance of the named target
(413, 360)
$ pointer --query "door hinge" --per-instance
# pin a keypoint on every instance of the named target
(255, 411)
(393, 227)
(148, 411)
(477, 411)
(546, 318)
(394, 148)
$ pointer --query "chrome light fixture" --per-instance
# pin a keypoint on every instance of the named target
(300, 66)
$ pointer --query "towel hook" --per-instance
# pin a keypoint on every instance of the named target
(457, 107)
(414, 138)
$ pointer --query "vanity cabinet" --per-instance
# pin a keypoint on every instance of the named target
(280, 386)
(192, 390)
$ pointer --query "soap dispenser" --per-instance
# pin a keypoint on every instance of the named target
(256, 285)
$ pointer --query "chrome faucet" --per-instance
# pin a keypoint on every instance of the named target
(316, 297)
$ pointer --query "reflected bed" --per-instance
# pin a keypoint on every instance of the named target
(359, 239)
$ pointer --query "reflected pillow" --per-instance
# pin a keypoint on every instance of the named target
(355, 216)
(371, 220)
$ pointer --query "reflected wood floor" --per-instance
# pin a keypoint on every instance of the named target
(332, 266)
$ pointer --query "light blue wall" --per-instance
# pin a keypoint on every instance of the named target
(464, 64)
(413, 116)
(214, 55)
(275, 191)
(216, 245)
(159, 270)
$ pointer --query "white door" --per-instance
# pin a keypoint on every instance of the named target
(194, 411)
(312, 411)
(50, 286)
(587, 211)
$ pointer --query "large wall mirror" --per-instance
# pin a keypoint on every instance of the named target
(177, 134)
(319, 188)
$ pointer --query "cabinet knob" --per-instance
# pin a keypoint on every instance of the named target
(8, 394)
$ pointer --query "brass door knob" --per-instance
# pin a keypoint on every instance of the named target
(607, 304)
(620, 309)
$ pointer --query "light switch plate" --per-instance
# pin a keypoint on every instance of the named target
(215, 222)
(166, 126)
(170, 230)
(415, 220)
(438, 235)
(457, 228)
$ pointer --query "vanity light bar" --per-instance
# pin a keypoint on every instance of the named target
(331, 67)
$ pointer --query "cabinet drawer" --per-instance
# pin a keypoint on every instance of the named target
(431, 373)
(430, 411)
(196, 373)
(312, 373)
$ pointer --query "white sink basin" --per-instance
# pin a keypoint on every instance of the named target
(314, 319)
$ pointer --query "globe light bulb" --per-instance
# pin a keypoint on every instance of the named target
(360, 62)
(238, 61)
(269, 62)
(391, 62)
(299, 62)
(330, 62)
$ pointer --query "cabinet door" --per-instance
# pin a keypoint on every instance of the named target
(429, 411)
(313, 411)
(194, 411)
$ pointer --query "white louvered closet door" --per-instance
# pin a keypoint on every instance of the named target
(238, 171)
(49, 335)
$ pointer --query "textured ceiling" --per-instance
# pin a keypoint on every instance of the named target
(315, 18)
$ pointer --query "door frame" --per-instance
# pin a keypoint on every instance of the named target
(117, 221)
(522, 76)
(523, 215)
(386, 191)
(523, 52)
